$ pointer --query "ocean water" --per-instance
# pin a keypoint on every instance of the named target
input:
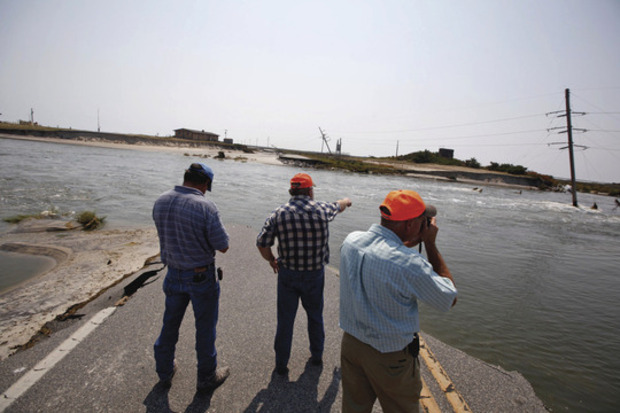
(538, 279)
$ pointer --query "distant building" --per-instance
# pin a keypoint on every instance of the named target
(195, 135)
(228, 140)
(446, 153)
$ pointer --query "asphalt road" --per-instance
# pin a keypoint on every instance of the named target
(101, 359)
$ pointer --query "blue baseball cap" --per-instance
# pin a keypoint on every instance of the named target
(207, 171)
(203, 169)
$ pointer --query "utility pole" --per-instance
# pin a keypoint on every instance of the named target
(98, 126)
(31, 116)
(569, 131)
(325, 139)
(397, 142)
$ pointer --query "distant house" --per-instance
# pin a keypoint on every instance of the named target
(195, 135)
(446, 153)
(228, 140)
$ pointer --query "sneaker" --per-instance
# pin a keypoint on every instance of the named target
(216, 380)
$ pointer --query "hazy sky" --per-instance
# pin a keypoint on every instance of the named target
(478, 77)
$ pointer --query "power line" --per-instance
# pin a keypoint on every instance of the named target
(544, 134)
(520, 144)
(604, 148)
(492, 134)
(447, 126)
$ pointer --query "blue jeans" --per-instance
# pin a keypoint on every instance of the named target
(203, 290)
(292, 286)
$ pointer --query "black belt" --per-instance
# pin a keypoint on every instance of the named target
(199, 270)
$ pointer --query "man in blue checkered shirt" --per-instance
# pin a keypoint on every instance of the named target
(190, 232)
(301, 227)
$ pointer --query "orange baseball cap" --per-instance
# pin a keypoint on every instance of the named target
(301, 180)
(403, 205)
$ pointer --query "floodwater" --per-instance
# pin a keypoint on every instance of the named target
(16, 268)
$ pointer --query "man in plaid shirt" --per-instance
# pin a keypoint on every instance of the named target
(301, 227)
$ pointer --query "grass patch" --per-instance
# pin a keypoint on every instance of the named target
(16, 219)
(89, 220)
(19, 218)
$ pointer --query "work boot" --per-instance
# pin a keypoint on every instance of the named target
(216, 380)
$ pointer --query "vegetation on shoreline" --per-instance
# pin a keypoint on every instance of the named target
(48, 214)
(427, 156)
(547, 181)
(88, 219)
(350, 164)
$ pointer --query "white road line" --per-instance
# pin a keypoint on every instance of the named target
(42, 367)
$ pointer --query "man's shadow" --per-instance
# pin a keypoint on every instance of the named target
(157, 401)
(281, 395)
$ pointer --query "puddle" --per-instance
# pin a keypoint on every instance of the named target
(16, 268)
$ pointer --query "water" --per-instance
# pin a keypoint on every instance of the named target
(538, 279)
(15, 268)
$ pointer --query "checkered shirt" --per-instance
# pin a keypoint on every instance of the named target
(301, 227)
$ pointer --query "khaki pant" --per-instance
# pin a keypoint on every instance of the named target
(367, 374)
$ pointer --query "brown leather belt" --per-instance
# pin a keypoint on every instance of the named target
(200, 269)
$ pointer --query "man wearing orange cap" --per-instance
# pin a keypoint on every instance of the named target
(301, 227)
(382, 278)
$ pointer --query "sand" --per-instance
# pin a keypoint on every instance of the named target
(88, 262)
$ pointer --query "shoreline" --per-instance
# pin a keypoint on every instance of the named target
(264, 157)
(271, 157)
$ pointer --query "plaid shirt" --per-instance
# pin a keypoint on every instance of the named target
(302, 232)
(189, 227)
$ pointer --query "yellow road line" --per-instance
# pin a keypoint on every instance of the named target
(427, 401)
(456, 400)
